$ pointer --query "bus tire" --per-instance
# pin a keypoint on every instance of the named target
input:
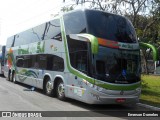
(48, 87)
(14, 78)
(9, 76)
(60, 90)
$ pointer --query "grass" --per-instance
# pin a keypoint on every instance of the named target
(150, 90)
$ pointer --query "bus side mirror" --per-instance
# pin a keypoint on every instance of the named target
(87, 38)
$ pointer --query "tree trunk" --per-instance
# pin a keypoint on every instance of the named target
(145, 62)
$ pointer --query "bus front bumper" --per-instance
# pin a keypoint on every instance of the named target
(112, 96)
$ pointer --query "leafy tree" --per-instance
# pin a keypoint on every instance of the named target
(66, 9)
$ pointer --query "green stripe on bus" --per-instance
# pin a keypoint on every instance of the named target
(117, 87)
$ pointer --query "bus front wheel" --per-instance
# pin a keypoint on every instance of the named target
(48, 87)
(60, 90)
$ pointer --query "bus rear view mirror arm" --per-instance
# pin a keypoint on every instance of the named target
(87, 38)
(78, 37)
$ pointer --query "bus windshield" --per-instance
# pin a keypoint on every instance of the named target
(110, 26)
(117, 66)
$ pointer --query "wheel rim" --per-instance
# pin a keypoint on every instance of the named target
(61, 89)
(14, 78)
(49, 87)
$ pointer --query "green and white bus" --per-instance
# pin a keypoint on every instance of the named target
(87, 55)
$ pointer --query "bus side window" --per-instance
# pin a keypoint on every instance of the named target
(10, 42)
(53, 30)
(38, 32)
(58, 64)
(81, 61)
(35, 63)
(49, 62)
(27, 61)
(20, 62)
(42, 60)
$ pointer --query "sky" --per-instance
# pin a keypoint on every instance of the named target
(18, 15)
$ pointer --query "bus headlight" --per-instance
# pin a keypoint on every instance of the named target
(95, 87)
(98, 88)
(90, 85)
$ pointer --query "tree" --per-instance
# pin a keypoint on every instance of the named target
(123, 7)
(67, 8)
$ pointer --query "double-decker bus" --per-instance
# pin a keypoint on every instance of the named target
(88, 55)
(2, 58)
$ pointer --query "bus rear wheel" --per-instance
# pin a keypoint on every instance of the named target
(60, 90)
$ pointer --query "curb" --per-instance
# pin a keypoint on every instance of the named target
(148, 106)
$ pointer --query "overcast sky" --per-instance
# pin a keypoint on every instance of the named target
(17, 15)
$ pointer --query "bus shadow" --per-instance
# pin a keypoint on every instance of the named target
(1, 75)
(29, 87)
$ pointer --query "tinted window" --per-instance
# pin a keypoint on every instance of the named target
(27, 61)
(100, 67)
(53, 30)
(110, 26)
(78, 54)
(20, 61)
(30, 36)
(3, 55)
(117, 66)
(58, 64)
(38, 32)
(35, 63)
(74, 23)
(41, 61)
(10, 42)
(49, 62)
